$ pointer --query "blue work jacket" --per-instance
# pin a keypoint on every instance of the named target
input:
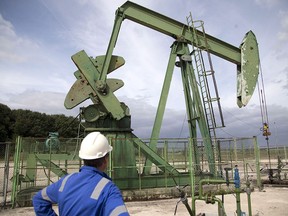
(88, 192)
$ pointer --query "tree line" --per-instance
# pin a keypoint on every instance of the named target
(27, 123)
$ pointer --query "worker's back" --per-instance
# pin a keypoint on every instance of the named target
(89, 192)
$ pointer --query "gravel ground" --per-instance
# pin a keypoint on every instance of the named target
(270, 201)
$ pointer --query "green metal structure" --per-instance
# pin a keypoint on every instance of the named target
(112, 117)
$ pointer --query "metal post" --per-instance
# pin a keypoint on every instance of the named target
(192, 177)
(285, 153)
(248, 191)
(243, 151)
(230, 154)
(235, 150)
(219, 157)
(237, 190)
(16, 171)
(140, 170)
(6, 172)
(238, 211)
(49, 165)
(110, 158)
(161, 105)
(257, 157)
(173, 152)
(166, 158)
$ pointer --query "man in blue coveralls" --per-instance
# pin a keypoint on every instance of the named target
(88, 192)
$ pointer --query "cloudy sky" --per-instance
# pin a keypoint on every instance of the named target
(38, 38)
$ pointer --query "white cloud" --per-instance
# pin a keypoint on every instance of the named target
(40, 101)
(85, 24)
(11, 46)
(267, 3)
(38, 75)
(283, 34)
(26, 64)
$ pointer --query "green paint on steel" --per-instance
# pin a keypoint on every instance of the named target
(31, 164)
(103, 92)
(194, 106)
(53, 167)
(257, 162)
(247, 74)
(115, 63)
(197, 112)
(112, 43)
(176, 30)
(161, 105)
(16, 171)
(93, 73)
(154, 157)
(154, 181)
(123, 155)
(81, 90)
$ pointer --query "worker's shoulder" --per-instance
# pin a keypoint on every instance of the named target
(113, 188)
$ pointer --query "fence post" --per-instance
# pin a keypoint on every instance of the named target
(285, 153)
(235, 150)
(6, 172)
(257, 157)
(192, 171)
(16, 171)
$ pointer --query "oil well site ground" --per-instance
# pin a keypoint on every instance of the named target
(270, 201)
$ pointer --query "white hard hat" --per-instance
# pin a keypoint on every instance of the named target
(94, 145)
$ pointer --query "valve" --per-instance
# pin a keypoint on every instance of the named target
(227, 169)
(236, 177)
(209, 199)
(183, 199)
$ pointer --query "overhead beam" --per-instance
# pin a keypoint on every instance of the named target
(175, 29)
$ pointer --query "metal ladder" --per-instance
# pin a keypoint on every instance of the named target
(204, 75)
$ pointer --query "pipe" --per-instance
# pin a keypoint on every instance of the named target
(236, 182)
(185, 202)
(210, 181)
(192, 177)
(237, 190)
(221, 211)
(238, 204)
(248, 191)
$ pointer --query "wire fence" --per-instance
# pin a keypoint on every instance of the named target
(40, 162)
(6, 171)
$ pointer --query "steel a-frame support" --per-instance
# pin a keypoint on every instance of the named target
(195, 111)
(194, 107)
